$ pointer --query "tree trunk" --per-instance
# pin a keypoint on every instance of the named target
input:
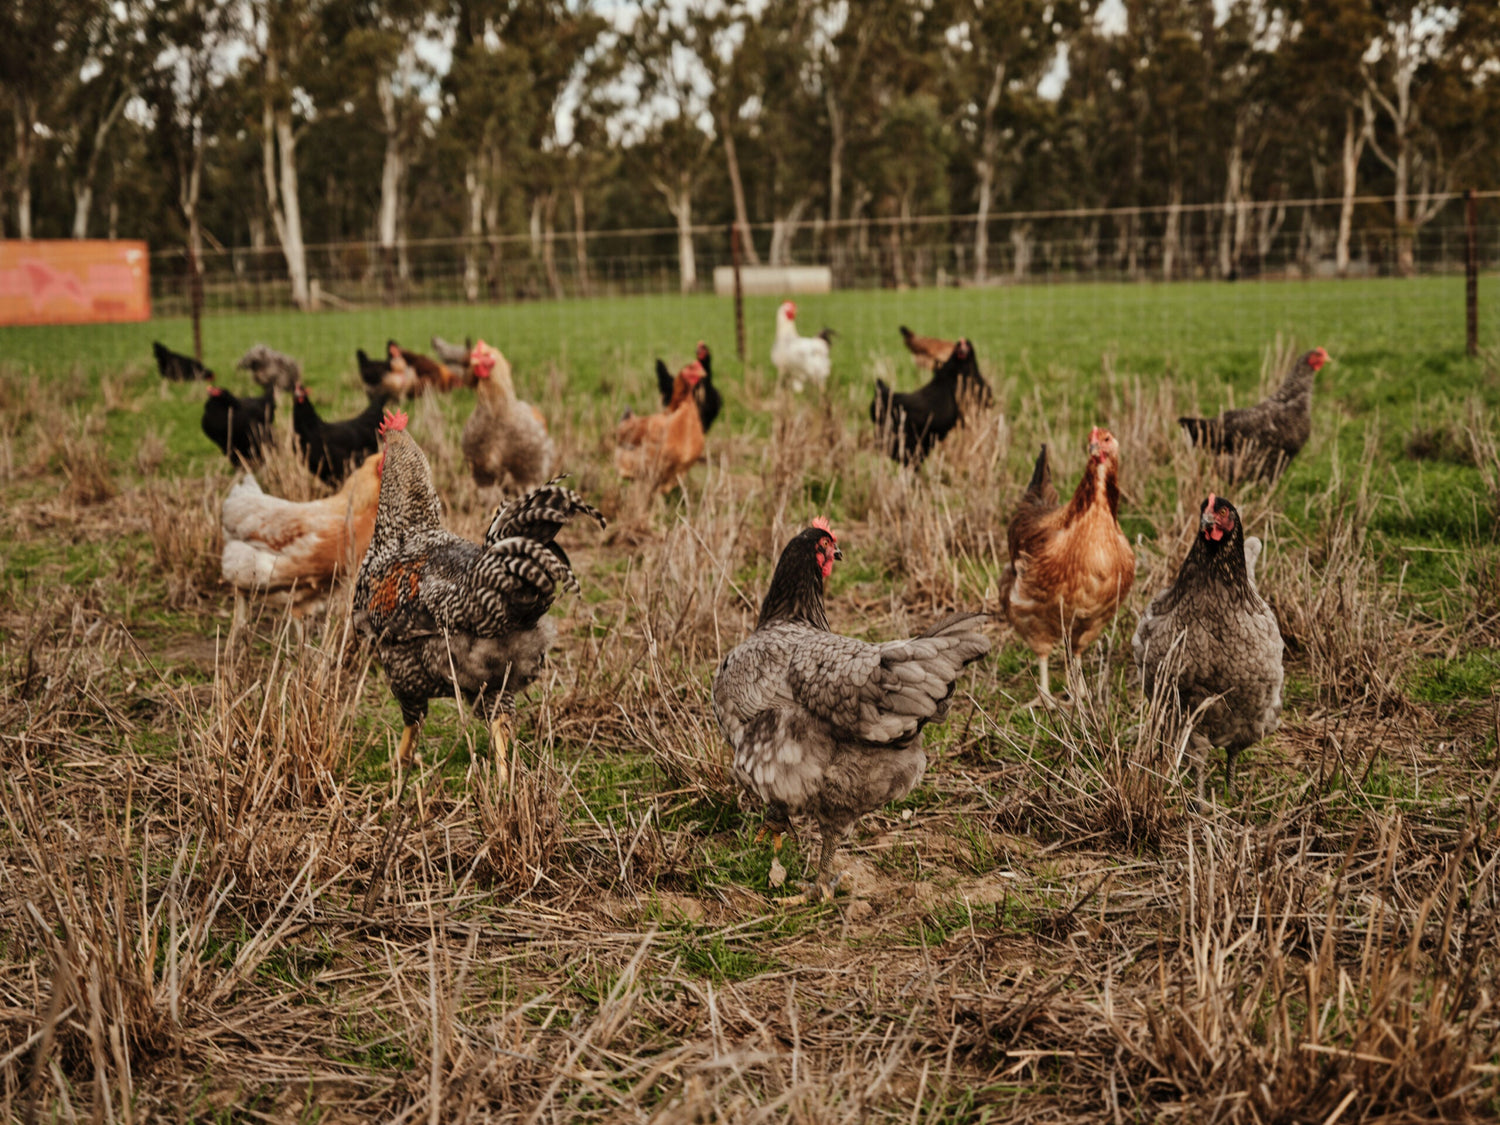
(114, 219)
(549, 244)
(1231, 204)
(189, 190)
(83, 183)
(1404, 64)
(737, 186)
(1171, 237)
(687, 264)
(784, 229)
(279, 164)
(1354, 144)
(474, 197)
(1020, 239)
(835, 176)
(25, 117)
(580, 242)
(391, 173)
(984, 167)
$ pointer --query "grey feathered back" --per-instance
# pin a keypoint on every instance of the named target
(271, 368)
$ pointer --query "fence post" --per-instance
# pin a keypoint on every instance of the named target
(1471, 271)
(739, 295)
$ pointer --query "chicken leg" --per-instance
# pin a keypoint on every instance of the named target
(827, 882)
(407, 746)
(502, 731)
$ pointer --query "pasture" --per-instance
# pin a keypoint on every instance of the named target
(223, 901)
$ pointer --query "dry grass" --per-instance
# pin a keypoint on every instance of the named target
(223, 900)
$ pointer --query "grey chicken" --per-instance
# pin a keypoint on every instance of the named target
(830, 726)
(271, 368)
(446, 613)
(1261, 440)
(1230, 644)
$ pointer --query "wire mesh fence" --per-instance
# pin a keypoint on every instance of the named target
(1267, 240)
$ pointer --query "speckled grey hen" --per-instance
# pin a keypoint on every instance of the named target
(830, 726)
(1230, 654)
(1261, 440)
(443, 611)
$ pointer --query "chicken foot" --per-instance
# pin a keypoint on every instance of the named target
(1044, 696)
(408, 744)
(823, 888)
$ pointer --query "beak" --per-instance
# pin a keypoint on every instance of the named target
(1206, 521)
(838, 555)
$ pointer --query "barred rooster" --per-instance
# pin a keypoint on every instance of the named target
(446, 613)
(1261, 440)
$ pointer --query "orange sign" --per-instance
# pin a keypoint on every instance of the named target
(73, 282)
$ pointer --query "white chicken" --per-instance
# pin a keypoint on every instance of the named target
(799, 359)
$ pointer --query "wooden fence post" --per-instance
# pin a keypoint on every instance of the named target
(1471, 272)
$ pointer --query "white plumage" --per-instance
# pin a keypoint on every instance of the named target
(798, 359)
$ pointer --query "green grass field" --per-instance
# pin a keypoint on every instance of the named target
(224, 902)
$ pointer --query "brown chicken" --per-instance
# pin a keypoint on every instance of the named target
(928, 352)
(828, 726)
(432, 375)
(661, 448)
(505, 439)
(293, 552)
(1070, 567)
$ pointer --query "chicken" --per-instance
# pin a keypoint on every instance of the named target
(909, 424)
(177, 367)
(825, 725)
(705, 393)
(505, 439)
(372, 372)
(1211, 641)
(445, 613)
(661, 448)
(1261, 440)
(928, 352)
(799, 359)
(240, 427)
(1070, 567)
(294, 552)
(271, 368)
(456, 357)
(331, 449)
(432, 375)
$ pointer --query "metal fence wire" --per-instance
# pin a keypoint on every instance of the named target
(1270, 240)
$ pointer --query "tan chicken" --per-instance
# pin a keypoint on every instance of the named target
(294, 552)
(661, 448)
(1070, 567)
(505, 439)
(928, 352)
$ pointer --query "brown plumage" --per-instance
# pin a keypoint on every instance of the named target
(1070, 566)
(828, 726)
(661, 448)
(1213, 642)
(928, 352)
(432, 375)
(293, 552)
(505, 440)
(1261, 440)
(446, 614)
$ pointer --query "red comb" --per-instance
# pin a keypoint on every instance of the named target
(1209, 506)
(1318, 358)
(393, 422)
(821, 523)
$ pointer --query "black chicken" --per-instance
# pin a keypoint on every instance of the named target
(1261, 440)
(372, 371)
(705, 394)
(240, 427)
(177, 367)
(332, 449)
(911, 423)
